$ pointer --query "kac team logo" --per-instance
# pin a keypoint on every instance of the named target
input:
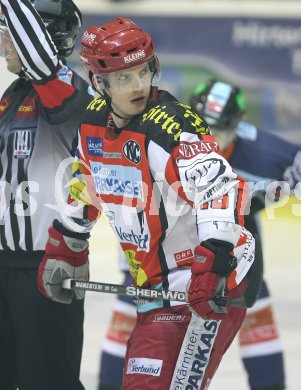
(132, 151)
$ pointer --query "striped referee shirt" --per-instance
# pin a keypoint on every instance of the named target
(39, 118)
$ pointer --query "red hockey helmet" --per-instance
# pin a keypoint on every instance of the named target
(116, 46)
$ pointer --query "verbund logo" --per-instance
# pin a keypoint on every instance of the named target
(94, 146)
(144, 366)
(141, 240)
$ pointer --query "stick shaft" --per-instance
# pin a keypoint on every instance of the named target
(131, 291)
(149, 293)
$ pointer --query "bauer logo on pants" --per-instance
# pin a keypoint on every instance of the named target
(144, 366)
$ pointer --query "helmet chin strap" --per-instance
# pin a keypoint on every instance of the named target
(119, 116)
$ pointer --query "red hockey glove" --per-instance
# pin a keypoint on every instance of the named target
(214, 261)
(65, 257)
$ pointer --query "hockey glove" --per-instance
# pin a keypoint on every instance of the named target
(214, 261)
(65, 257)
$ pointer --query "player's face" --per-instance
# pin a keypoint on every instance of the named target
(13, 64)
(8, 51)
(129, 90)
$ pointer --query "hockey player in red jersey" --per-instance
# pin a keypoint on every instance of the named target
(223, 107)
(174, 203)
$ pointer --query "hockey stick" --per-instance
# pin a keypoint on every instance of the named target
(218, 303)
(131, 291)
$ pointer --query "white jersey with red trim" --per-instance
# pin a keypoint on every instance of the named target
(159, 180)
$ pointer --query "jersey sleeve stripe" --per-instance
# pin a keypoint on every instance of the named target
(173, 177)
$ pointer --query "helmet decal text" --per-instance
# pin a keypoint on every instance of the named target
(88, 38)
(134, 56)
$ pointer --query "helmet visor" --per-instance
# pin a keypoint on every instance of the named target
(126, 81)
(7, 48)
(216, 102)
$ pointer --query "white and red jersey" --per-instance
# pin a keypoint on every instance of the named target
(158, 180)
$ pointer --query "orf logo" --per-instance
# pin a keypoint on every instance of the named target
(132, 151)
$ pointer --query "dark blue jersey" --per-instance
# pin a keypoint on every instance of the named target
(261, 158)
